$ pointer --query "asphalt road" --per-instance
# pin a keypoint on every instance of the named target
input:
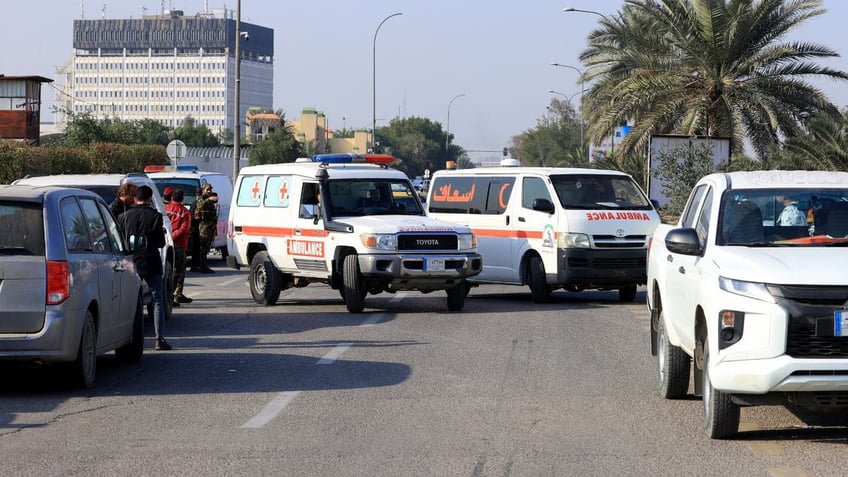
(504, 388)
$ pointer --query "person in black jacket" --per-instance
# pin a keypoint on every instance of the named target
(143, 220)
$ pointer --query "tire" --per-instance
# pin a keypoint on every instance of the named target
(456, 296)
(168, 290)
(627, 293)
(539, 291)
(84, 367)
(721, 414)
(131, 353)
(673, 366)
(266, 282)
(353, 288)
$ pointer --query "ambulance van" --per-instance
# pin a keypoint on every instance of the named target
(346, 220)
(550, 228)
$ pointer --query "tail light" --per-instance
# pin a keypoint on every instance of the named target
(58, 281)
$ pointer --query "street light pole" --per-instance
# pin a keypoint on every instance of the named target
(447, 132)
(374, 80)
(572, 9)
(582, 89)
(236, 132)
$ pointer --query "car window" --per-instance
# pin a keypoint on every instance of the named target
(21, 228)
(534, 188)
(703, 224)
(101, 242)
(112, 229)
(692, 206)
(74, 226)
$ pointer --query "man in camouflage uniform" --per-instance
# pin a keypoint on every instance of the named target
(206, 215)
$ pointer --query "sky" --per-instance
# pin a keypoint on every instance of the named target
(496, 53)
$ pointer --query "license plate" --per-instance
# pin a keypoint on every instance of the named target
(438, 265)
(840, 323)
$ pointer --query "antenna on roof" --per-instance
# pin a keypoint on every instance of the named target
(82, 9)
(103, 14)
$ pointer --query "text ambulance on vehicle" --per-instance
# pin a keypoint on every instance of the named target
(550, 228)
(346, 220)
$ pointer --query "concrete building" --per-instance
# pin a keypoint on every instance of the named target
(311, 129)
(166, 67)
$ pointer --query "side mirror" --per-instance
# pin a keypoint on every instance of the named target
(136, 243)
(543, 205)
(684, 241)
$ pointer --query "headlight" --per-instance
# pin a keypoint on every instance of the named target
(757, 291)
(466, 241)
(379, 241)
(567, 240)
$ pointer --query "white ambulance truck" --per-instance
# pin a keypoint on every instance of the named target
(346, 220)
(550, 228)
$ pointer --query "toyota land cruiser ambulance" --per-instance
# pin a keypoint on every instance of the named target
(550, 228)
(347, 220)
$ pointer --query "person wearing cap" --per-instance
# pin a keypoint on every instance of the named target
(166, 194)
(206, 215)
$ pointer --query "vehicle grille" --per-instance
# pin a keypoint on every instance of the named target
(810, 307)
(427, 242)
(315, 265)
(608, 263)
(611, 241)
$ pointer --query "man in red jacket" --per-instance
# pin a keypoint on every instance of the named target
(181, 228)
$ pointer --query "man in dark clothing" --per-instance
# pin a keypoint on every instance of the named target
(144, 220)
(124, 199)
(206, 215)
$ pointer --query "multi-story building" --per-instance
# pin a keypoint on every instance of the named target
(166, 67)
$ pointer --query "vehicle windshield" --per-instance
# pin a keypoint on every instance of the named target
(784, 217)
(357, 197)
(599, 191)
(188, 186)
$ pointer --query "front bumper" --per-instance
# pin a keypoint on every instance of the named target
(410, 271)
(592, 268)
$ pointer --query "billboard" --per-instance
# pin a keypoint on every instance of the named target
(663, 143)
(607, 145)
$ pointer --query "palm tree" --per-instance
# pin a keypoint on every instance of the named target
(826, 145)
(705, 68)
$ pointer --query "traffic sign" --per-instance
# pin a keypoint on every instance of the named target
(176, 150)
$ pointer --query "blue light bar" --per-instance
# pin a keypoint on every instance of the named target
(350, 158)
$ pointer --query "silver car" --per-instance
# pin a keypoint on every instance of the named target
(68, 287)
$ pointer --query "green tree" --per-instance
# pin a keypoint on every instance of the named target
(194, 135)
(825, 146)
(680, 169)
(554, 142)
(279, 146)
(418, 143)
(712, 68)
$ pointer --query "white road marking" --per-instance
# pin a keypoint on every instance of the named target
(271, 410)
(276, 406)
(335, 353)
(232, 281)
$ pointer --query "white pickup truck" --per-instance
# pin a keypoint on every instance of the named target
(751, 285)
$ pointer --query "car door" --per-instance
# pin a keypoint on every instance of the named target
(534, 228)
(685, 271)
(110, 270)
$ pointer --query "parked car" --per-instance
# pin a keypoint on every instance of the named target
(747, 296)
(69, 289)
(106, 186)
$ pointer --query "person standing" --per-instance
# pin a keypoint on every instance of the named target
(194, 240)
(181, 225)
(206, 215)
(124, 199)
(145, 221)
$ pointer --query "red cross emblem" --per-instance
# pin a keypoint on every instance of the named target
(255, 190)
(284, 191)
